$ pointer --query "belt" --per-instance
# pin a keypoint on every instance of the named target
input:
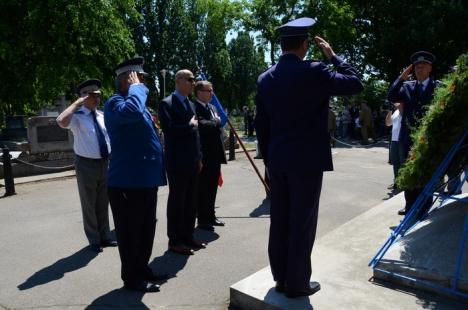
(90, 159)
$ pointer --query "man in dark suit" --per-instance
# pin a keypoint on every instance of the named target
(211, 136)
(291, 123)
(416, 96)
(183, 156)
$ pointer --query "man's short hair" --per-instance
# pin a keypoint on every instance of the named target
(292, 43)
(199, 85)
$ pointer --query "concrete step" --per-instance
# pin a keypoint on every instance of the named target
(340, 263)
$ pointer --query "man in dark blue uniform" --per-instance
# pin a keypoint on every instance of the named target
(291, 123)
(416, 96)
(136, 170)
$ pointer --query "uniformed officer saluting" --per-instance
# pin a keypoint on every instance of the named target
(416, 96)
(291, 123)
(136, 169)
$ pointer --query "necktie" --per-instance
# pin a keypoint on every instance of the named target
(100, 136)
(187, 105)
(418, 91)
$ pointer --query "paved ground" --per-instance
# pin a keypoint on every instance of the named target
(44, 262)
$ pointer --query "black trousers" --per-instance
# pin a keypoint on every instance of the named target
(411, 196)
(294, 210)
(134, 211)
(181, 205)
(207, 190)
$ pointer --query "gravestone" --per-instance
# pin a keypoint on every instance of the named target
(54, 110)
(45, 136)
(14, 128)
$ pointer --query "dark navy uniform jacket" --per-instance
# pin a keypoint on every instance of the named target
(414, 108)
(181, 140)
(136, 160)
(292, 112)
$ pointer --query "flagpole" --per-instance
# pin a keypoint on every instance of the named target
(267, 188)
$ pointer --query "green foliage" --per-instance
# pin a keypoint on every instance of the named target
(267, 15)
(390, 31)
(47, 47)
(247, 64)
(443, 124)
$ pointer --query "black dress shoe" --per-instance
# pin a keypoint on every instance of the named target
(279, 287)
(95, 248)
(313, 288)
(207, 227)
(217, 222)
(144, 286)
(195, 244)
(157, 277)
(108, 243)
(181, 249)
(402, 211)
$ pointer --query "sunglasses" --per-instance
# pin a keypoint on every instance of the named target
(190, 79)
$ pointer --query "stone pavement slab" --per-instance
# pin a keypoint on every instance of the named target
(44, 263)
(339, 263)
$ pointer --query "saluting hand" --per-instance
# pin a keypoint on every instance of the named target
(133, 78)
(326, 48)
(406, 73)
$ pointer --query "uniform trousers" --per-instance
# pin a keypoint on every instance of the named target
(397, 157)
(207, 190)
(294, 210)
(134, 211)
(91, 176)
(181, 205)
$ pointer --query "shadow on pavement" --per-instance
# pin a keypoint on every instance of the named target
(169, 263)
(426, 300)
(272, 297)
(57, 270)
(262, 209)
(118, 299)
(205, 235)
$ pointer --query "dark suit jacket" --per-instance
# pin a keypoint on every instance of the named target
(181, 140)
(414, 108)
(211, 135)
(292, 112)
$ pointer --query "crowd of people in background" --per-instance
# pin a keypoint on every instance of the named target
(358, 123)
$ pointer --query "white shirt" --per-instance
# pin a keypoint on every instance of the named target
(213, 114)
(396, 125)
(85, 142)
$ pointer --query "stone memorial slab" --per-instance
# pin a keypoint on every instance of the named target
(45, 136)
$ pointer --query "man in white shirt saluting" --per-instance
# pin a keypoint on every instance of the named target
(92, 149)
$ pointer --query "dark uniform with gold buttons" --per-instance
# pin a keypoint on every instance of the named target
(291, 124)
(416, 97)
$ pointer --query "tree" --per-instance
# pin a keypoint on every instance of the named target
(267, 15)
(49, 46)
(391, 31)
(247, 64)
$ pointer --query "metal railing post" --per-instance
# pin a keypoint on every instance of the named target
(8, 173)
